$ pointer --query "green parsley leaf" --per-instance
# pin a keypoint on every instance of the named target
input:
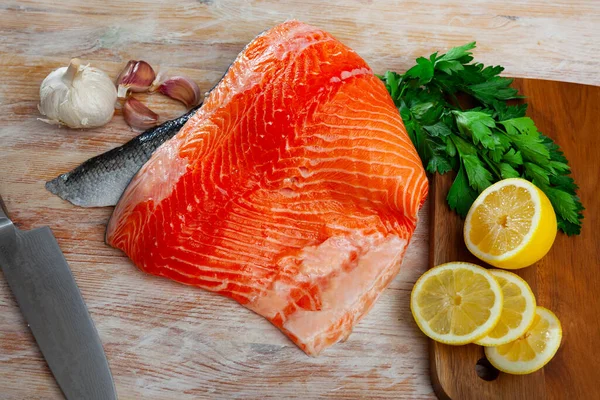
(476, 124)
(479, 177)
(423, 71)
(513, 157)
(392, 80)
(564, 182)
(438, 129)
(504, 111)
(449, 67)
(438, 163)
(536, 173)
(527, 139)
(507, 171)
(450, 148)
(496, 88)
(568, 206)
(461, 196)
(457, 53)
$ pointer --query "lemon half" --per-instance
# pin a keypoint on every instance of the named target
(518, 309)
(456, 303)
(531, 351)
(511, 224)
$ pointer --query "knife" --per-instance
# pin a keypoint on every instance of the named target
(41, 281)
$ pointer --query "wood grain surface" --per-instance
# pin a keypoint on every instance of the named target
(165, 340)
(566, 280)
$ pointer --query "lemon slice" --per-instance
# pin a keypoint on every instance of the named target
(531, 351)
(456, 303)
(518, 309)
(511, 224)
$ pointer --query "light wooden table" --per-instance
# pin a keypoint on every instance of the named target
(165, 340)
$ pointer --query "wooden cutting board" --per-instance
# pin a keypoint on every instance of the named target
(566, 281)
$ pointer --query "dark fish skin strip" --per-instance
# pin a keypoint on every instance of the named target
(101, 180)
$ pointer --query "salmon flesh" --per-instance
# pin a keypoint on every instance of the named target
(294, 189)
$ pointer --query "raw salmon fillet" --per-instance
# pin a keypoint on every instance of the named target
(294, 189)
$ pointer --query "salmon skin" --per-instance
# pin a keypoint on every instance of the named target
(101, 180)
(294, 189)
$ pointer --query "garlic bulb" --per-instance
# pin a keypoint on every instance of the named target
(78, 96)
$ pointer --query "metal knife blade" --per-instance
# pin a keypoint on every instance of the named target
(41, 281)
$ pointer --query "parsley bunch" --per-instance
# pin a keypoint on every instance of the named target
(483, 144)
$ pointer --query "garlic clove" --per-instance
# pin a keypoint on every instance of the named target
(137, 76)
(181, 88)
(138, 116)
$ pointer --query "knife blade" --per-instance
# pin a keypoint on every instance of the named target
(43, 285)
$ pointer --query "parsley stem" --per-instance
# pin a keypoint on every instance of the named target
(494, 169)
